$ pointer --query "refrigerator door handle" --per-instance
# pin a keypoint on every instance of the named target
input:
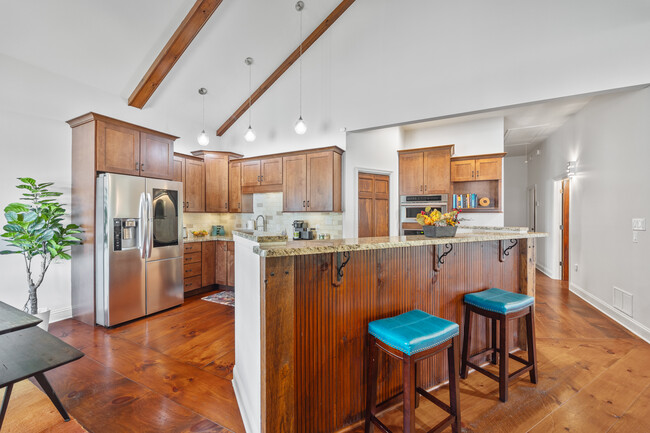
(149, 225)
(142, 214)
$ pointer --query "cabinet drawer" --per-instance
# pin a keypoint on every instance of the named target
(192, 283)
(192, 257)
(192, 247)
(192, 270)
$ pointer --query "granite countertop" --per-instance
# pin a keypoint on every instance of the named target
(192, 239)
(261, 236)
(297, 248)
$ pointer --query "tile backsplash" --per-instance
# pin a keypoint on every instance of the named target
(269, 205)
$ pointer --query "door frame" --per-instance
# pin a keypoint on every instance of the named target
(565, 232)
(355, 193)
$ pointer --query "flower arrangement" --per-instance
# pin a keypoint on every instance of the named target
(436, 218)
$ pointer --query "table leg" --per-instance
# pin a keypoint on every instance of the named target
(5, 403)
(42, 380)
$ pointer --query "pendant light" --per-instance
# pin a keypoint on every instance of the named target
(203, 138)
(250, 134)
(300, 127)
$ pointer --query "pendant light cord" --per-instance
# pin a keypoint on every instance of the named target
(300, 65)
(203, 112)
(250, 96)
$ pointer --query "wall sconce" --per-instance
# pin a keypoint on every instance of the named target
(571, 167)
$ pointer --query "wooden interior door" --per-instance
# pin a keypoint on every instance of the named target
(221, 265)
(179, 169)
(320, 182)
(194, 186)
(271, 171)
(118, 149)
(411, 173)
(294, 185)
(488, 169)
(216, 183)
(234, 187)
(374, 212)
(156, 156)
(437, 173)
(566, 189)
(250, 173)
(462, 171)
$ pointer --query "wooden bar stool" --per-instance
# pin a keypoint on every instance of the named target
(412, 337)
(502, 306)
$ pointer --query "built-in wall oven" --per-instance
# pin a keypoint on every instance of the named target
(412, 205)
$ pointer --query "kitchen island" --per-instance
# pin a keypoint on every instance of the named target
(302, 311)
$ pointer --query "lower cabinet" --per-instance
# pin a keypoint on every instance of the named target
(208, 263)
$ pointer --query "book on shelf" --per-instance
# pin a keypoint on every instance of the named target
(465, 201)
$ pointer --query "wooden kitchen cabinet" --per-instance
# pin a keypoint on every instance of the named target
(230, 261)
(192, 266)
(179, 169)
(221, 268)
(425, 171)
(234, 187)
(312, 182)
(194, 185)
(488, 168)
(265, 172)
(250, 173)
(462, 171)
(216, 183)
(156, 156)
(208, 257)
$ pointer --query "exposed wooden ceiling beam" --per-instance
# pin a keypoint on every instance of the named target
(176, 46)
(308, 42)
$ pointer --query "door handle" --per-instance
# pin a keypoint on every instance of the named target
(425, 187)
(303, 203)
(238, 205)
(141, 167)
(225, 205)
(137, 165)
(477, 174)
(307, 203)
(472, 173)
(420, 187)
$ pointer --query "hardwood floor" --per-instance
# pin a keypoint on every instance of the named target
(171, 373)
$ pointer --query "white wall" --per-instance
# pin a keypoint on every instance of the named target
(473, 137)
(609, 139)
(515, 181)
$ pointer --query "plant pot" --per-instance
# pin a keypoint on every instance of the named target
(439, 231)
(44, 315)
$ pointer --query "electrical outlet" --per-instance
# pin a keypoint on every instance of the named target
(576, 267)
(635, 237)
(638, 224)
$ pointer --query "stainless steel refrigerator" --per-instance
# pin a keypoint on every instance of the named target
(138, 247)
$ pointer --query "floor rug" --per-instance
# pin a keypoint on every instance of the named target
(226, 298)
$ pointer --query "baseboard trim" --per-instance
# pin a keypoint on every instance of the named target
(241, 402)
(60, 314)
(635, 327)
(544, 270)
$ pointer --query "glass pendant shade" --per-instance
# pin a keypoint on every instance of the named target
(250, 135)
(203, 138)
(300, 127)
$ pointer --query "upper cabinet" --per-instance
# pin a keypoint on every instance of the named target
(237, 202)
(425, 171)
(191, 171)
(477, 167)
(216, 179)
(261, 175)
(312, 181)
(124, 148)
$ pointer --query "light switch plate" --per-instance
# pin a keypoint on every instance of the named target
(638, 224)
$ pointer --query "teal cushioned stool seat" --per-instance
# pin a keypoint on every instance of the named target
(413, 332)
(499, 301)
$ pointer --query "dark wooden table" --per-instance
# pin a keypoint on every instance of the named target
(28, 351)
(12, 319)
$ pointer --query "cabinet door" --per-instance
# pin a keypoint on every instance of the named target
(156, 156)
(231, 263)
(118, 149)
(208, 258)
(179, 169)
(234, 187)
(462, 170)
(294, 184)
(221, 267)
(216, 183)
(320, 182)
(437, 172)
(411, 178)
(488, 169)
(194, 186)
(271, 171)
(250, 173)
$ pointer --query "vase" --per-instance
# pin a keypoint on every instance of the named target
(439, 231)
(44, 315)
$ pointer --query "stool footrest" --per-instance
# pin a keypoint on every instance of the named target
(443, 424)
(441, 404)
(482, 370)
(521, 371)
(379, 424)
(518, 359)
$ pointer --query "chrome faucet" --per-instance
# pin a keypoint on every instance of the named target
(263, 222)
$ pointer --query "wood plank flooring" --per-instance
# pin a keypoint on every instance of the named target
(171, 373)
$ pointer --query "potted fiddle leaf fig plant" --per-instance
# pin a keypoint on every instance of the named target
(35, 228)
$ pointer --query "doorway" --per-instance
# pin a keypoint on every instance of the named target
(532, 208)
(564, 228)
(374, 209)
